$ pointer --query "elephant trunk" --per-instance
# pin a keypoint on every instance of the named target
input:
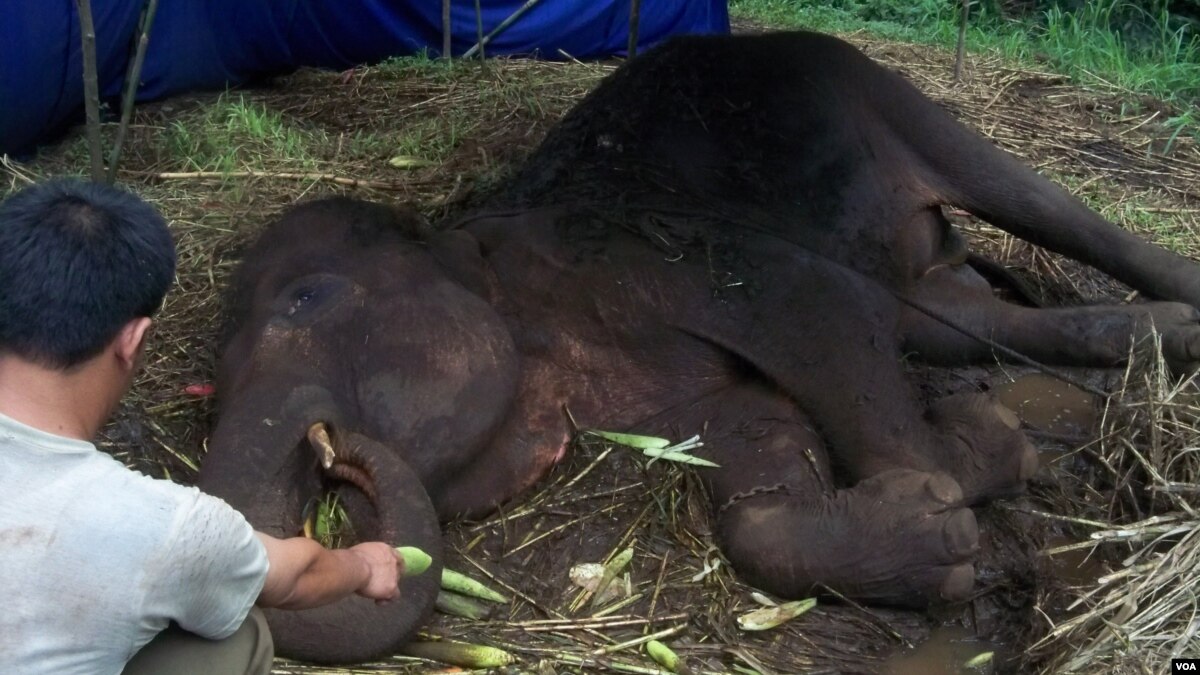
(262, 462)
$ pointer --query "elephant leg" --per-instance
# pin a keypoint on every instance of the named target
(901, 537)
(1098, 336)
(959, 166)
(840, 359)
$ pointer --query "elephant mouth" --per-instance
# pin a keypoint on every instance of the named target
(346, 508)
(382, 501)
(269, 457)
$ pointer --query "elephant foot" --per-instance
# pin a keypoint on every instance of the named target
(1179, 326)
(900, 538)
(984, 450)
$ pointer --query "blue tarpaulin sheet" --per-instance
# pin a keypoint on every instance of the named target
(203, 44)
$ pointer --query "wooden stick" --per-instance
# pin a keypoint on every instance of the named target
(962, 40)
(635, 11)
(132, 77)
(446, 46)
(485, 39)
(91, 87)
(340, 180)
(478, 33)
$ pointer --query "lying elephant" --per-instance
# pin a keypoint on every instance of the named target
(732, 236)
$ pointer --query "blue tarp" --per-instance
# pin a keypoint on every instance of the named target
(201, 44)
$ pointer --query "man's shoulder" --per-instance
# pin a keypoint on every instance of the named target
(76, 472)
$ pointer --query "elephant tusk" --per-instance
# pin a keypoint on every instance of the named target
(318, 437)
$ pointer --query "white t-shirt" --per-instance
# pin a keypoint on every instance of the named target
(96, 559)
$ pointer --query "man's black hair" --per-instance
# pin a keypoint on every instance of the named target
(77, 262)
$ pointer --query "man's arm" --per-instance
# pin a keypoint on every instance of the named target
(304, 574)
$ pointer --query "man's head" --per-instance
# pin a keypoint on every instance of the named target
(81, 264)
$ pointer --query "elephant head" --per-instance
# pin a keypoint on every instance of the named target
(361, 357)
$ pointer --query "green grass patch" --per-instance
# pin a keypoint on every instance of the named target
(1149, 213)
(1135, 47)
(235, 134)
(420, 64)
(434, 138)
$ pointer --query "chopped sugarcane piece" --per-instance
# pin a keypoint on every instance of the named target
(461, 583)
(663, 655)
(409, 162)
(460, 654)
(416, 561)
(980, 660)
(461, 606)
(765, 618)
(681, 457)
(632, 440)
(612, 569)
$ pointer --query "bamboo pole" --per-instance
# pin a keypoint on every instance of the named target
(485, 39)
(635, 13)
(446, 43)
(91, 87)
(478, 34)
(132, 80)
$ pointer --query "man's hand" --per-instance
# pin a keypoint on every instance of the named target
(304, 574)
(386, 567)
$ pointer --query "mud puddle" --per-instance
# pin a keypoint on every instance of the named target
(950, 650)
(1051, 405)
(1078, 567)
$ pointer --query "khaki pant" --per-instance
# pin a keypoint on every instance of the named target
(178, 652)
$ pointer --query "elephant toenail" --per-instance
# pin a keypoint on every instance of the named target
(1008, 417)
(944, 489)
(1030, 462)
(959, 583)
(961, 532)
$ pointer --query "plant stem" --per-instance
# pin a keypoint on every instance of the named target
(132, 78)
(962, 40)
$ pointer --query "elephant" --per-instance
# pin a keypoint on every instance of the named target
(739, 237)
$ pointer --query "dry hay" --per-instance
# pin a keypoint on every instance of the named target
(219, 172)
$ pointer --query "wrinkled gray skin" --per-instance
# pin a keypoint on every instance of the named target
(726, 238)
(333, 319)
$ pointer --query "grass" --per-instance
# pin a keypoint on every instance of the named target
(328, 522)
(235, 134)
(1140, 509)
(435, 139)
(1116, 44)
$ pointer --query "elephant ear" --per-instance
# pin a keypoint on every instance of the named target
(385, 501)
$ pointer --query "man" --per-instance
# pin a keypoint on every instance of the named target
(96, 561)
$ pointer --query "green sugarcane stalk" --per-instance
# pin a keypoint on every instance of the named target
(460, 654)
(612, 569)
(461, 583)
(416, 561)
(461, 606)
(663, 655)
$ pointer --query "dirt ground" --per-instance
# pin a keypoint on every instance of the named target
(220, 179)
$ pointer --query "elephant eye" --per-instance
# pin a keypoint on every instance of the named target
(299, 299)
(309, 298)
